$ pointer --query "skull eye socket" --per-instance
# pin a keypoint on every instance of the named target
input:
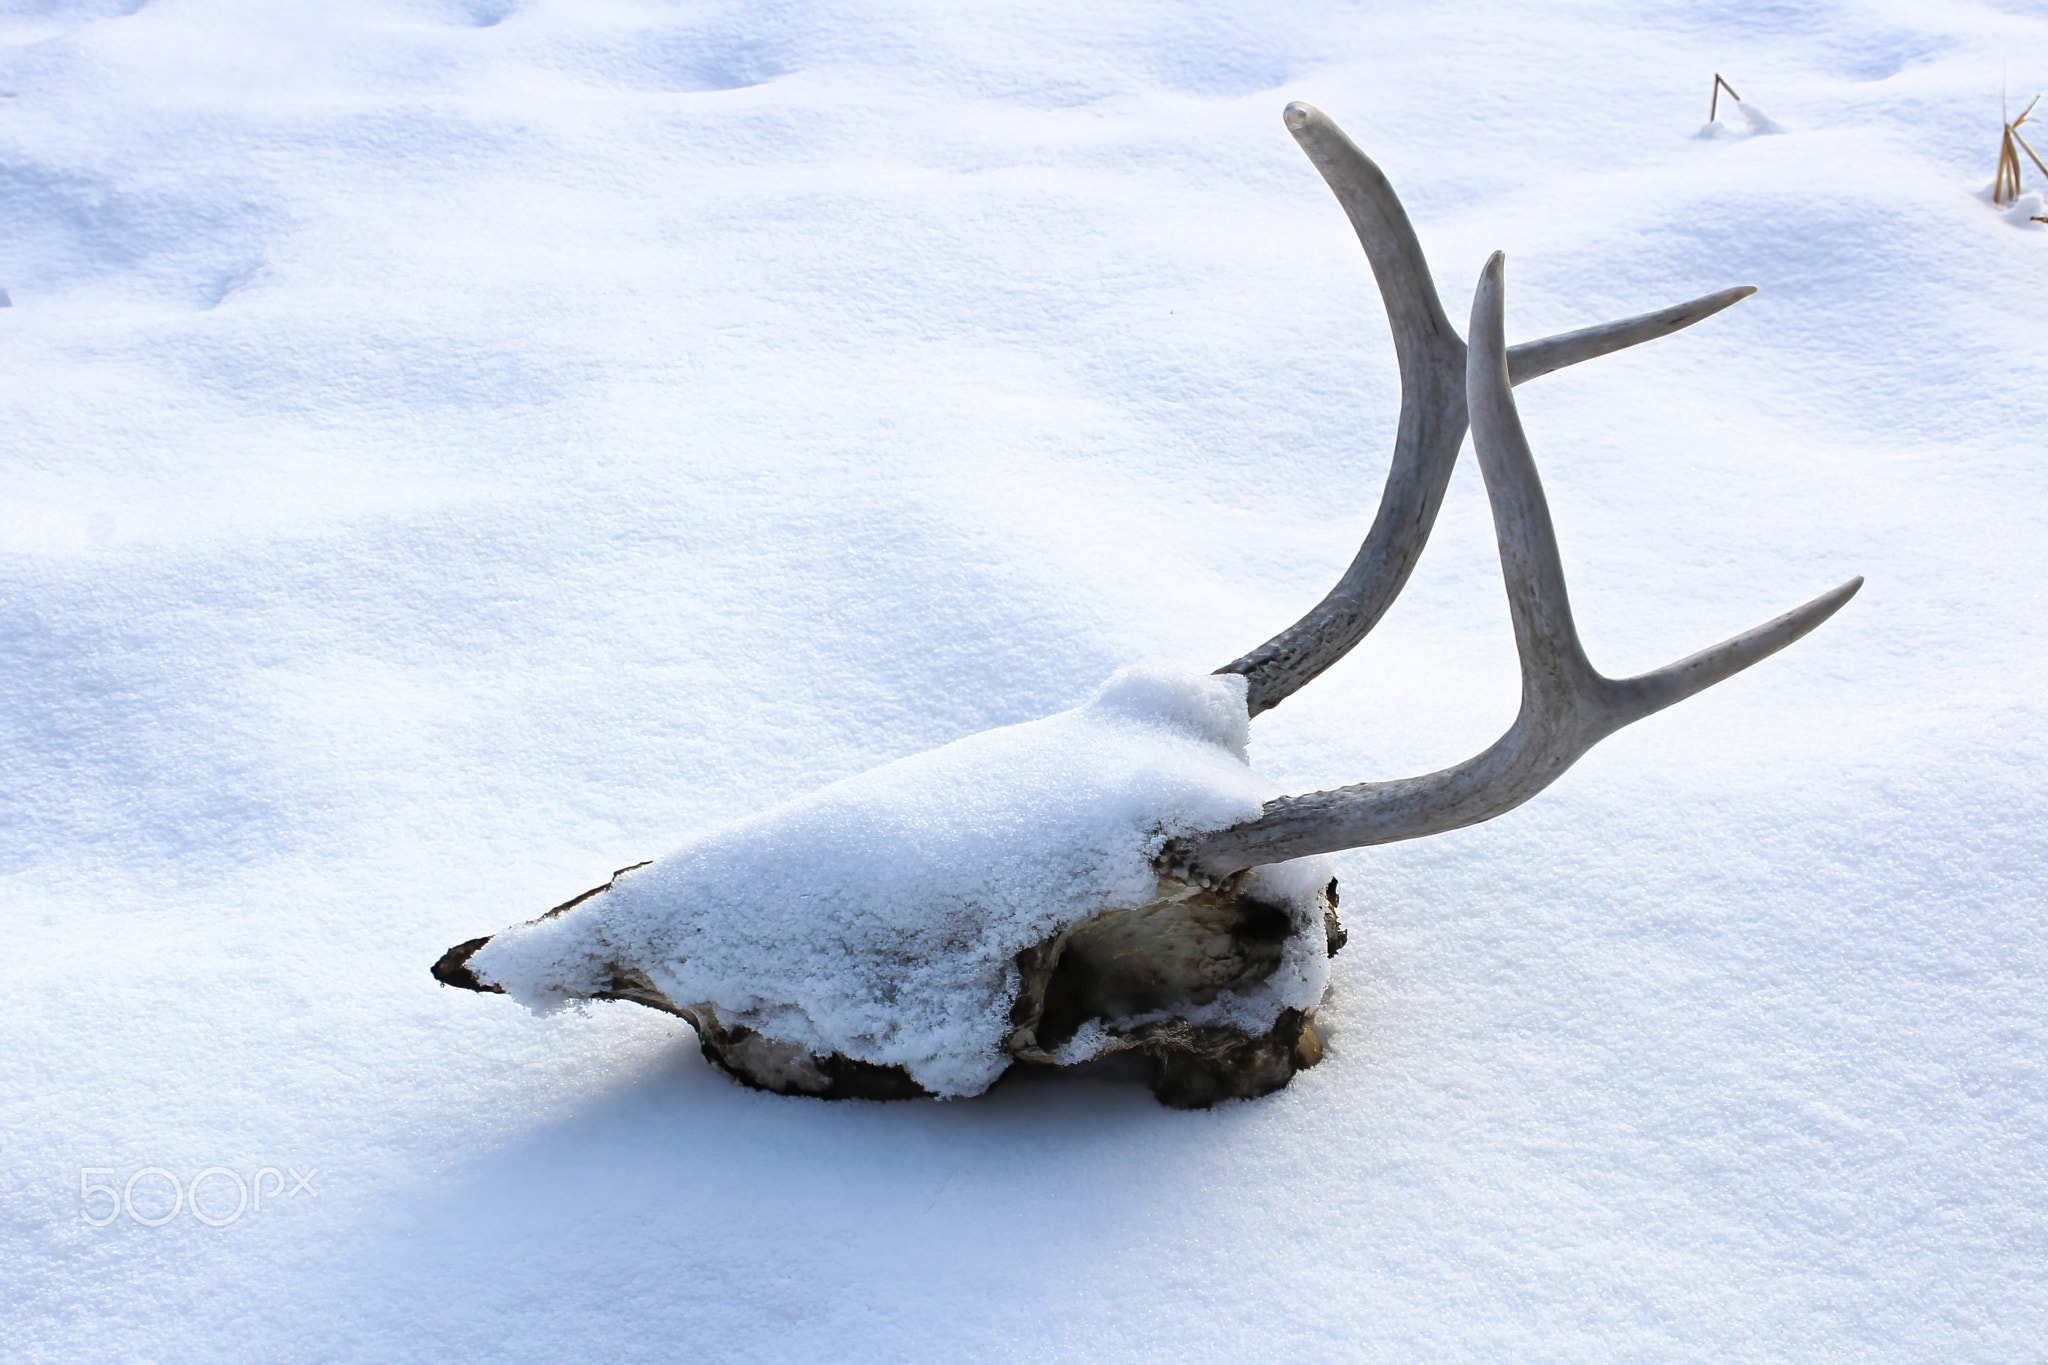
(1160, 958)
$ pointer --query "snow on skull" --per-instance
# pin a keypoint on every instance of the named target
(909, 921)
(1116, 877)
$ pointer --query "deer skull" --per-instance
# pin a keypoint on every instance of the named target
(1116, 877)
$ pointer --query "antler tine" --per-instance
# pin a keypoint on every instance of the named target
(1533, 359)
(1431, 358)
(1567, 707)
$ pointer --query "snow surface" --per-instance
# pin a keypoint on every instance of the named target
(454, 446)
(881, 917)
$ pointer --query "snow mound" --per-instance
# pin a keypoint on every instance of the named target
(1760, 123)
(1756, 124)
(880, 917)
(2027, 210)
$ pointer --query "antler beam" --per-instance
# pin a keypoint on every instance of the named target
(1567, 707)
(1433, 417)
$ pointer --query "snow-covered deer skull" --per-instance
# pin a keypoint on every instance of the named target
(1116, 877)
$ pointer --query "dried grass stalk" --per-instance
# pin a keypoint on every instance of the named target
(1714, 104)
(2005, 186)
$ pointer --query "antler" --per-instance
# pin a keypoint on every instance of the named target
(1567, 707)
(1433, 419)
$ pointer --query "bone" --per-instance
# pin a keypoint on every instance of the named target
(1006, 900)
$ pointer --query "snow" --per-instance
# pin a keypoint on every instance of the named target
(1759, 123)
(2026, 210)
(453, 448)
(881, 917)
(1755, 123)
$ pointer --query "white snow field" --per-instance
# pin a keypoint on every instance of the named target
(457, 448)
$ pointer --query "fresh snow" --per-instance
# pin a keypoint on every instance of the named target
(881, 917)
(455, 448)
(1758, 121)
(1755, 123)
